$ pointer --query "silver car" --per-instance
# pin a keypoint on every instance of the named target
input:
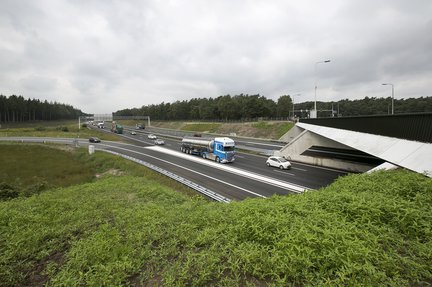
(279, 162)
(152, 137)
(159, 142)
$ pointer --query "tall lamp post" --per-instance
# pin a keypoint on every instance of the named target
(392, 104)
(293, 103)
(315, 106)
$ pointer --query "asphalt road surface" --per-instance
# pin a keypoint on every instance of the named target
(247, 177)
(303, 175)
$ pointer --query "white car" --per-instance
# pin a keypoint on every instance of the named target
(152, 136)
(159, 142)
(133, 133)
(278, 161)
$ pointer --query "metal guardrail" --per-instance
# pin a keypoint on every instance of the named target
(207, 192)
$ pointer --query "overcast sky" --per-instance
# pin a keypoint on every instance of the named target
(102, 56)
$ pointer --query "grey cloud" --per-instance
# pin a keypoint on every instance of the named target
(133, 53)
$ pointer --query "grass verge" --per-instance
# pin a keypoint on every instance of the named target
(364, 230)
(201, 127)
(54, 129)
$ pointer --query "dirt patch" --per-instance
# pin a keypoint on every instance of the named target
(39, 275)
(112, 171)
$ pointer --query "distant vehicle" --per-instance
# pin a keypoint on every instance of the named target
(159, 142)
(217, 149)
(152, 137)
(279, 162)
(101, 125)
(94, 140)
(116, 128)
(140, 126)
(133, 133)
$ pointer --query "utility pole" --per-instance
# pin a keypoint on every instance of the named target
(392, 103)
(315, 106)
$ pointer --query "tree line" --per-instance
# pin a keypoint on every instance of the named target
(248, 107)
(18, 109)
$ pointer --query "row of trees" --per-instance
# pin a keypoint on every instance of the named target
(17, 109)
(245, 107)
(221, 108)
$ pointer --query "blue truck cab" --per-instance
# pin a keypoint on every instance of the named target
(224, 149)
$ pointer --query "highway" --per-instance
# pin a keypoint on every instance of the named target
(252, 181)
(247, 177)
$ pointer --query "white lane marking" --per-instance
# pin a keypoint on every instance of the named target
(191, 170)
(258, 143)
(296, 168)
(244, 173)
(239, 156)
(284, 172)
(321, 167)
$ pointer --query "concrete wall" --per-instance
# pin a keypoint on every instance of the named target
(304, 139)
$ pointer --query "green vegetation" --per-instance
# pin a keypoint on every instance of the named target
(15, 109)
(30, 169)
(262, 129)
(129, 229)
(54, 129)
(201, 127)
(253, 107)
(278, 128)
(35, 168)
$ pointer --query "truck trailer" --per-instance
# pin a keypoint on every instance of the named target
(218, 149)
(116, 128)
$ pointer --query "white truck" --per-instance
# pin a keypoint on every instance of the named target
(218, 149)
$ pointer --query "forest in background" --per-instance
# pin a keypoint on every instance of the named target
(18, 109)
(247, 107)
(223, 108)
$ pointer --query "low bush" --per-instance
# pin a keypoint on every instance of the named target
(8, 191)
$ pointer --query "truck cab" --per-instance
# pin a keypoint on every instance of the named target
(224, 149)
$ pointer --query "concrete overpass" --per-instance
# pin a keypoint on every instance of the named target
(360, 144)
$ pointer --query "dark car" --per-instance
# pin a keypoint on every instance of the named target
(94, 140)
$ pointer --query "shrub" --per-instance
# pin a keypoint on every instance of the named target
(8, 191)
(63, 128)
(35, 188)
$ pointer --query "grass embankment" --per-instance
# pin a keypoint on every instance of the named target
(53, 129)
(28, 169)
(364, 230)
(263, 129)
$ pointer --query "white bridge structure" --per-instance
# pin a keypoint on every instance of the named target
(360, 144)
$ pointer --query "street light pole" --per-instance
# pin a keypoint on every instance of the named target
(392, 103)
(315, 105)
(293, 103)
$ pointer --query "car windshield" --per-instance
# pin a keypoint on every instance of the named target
(281, 159)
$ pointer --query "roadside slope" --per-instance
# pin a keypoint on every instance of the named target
(364, 230)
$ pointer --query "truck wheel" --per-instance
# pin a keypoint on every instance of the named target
(204, 156)
(217, 159)
(182, 149)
